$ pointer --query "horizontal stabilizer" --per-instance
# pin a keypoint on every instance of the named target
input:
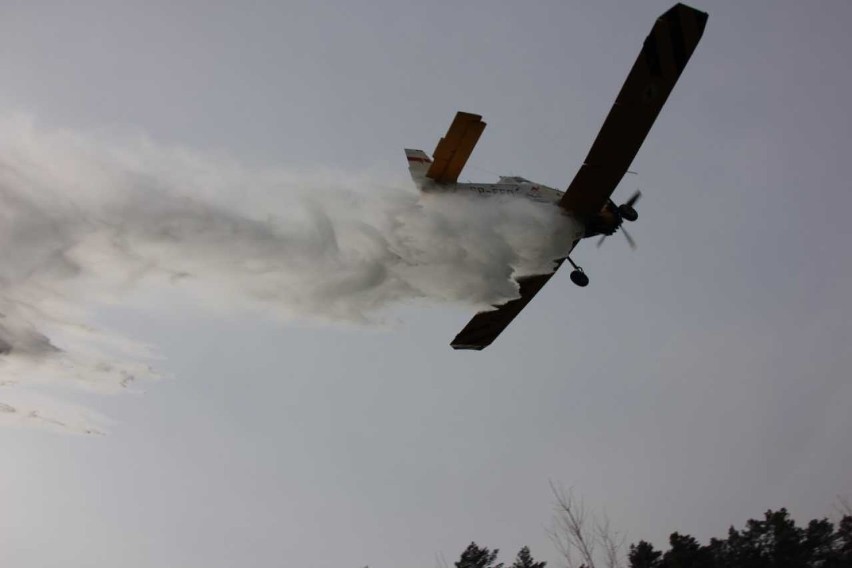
(455, 147)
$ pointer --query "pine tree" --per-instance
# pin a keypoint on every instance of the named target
(772, 542)
(685, 552)
(643, 555)
(525, 560)
(476, 557)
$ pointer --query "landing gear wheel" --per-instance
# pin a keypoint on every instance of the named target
(627, 212)
(579, 278)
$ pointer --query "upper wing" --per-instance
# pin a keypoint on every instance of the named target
(455, 148)
(486, 326)
(664, 55)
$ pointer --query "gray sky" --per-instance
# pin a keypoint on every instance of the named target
(694, 384)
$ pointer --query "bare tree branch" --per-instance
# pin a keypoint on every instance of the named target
(570, 532)
(579, 538)
(610, 542)
(843, 506)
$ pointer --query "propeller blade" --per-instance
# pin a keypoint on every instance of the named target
(630, 240)
(601, 240)
(634, 198)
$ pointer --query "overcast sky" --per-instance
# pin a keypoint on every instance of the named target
(694, 384)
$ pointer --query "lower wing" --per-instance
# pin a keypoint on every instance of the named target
(486, 326)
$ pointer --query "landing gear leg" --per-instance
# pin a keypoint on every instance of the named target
(578, 277)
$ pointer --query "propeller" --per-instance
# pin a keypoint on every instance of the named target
(627, 236)
(629, 203)
(634, 198)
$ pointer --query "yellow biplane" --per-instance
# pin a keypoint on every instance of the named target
(587, 201)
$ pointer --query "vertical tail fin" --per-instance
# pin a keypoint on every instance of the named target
(418, 164)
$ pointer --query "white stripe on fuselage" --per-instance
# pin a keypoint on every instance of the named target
(528, 190)
(533, 191)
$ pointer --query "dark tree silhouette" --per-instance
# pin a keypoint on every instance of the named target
(643, 555)
(684, 551)
(478, 557)
(525, 560)
(773, 542)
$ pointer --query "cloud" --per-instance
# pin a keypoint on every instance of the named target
(91, 219)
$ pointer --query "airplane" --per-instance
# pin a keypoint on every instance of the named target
(587, 201)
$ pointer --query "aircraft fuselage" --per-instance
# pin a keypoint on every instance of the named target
(605, 223)
(506, 186)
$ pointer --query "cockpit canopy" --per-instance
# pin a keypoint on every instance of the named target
(513, 179)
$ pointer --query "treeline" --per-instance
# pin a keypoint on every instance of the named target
(480, 557)
(773, 542)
